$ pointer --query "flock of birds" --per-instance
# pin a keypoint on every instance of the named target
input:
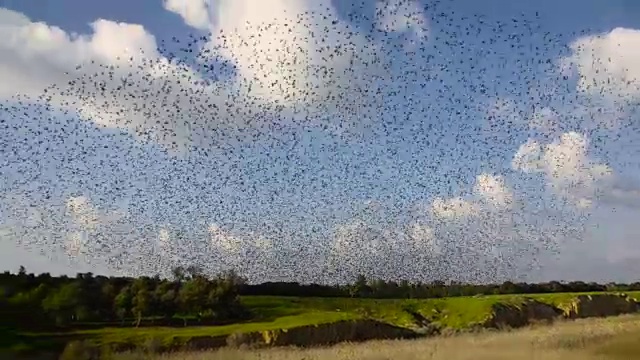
(327, 87)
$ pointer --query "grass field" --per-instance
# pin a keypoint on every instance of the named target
(288, 312)
(615, 338)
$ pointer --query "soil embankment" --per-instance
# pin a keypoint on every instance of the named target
(514, 316)
(324, 334)
(583, 306)
(502, 315)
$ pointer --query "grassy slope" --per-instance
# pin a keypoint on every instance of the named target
(288, 312)
(616, 338)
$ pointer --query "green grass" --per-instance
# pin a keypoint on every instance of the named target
(450, 312)
(272, 312)
(616, 338)
(454, 312)
(115, 335)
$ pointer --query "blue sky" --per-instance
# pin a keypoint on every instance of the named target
(476, 152)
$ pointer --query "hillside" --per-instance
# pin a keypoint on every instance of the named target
(271, 315)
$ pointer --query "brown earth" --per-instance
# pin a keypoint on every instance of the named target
(601, 305)
(327, 334)
(583, 306)
(205, 342)
(514, 316)
(502, 316)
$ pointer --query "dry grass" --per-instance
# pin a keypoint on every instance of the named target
(611, 338)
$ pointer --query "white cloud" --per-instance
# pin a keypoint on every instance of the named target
(493, 190)
(302, 56)
(285, 66)
(221, 239)
(607, 64)
(37, 55)
(90, 75)
(88, 224)
(83, 212)
(528, 157)
(195, 13)
(569, 170)
(354, 237)
(227, 241)
(164, 240)
(77, 243)
(87, 216)
(491, 193)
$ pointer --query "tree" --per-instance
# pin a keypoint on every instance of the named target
(360, 287)
(164, 299)
(178, 273)
(194, 271)
(141, 299)
(63, 303)
(108, 293)
(140, 304)
(123, 303)
(193, 296)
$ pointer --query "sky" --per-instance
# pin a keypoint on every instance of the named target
(312, 141)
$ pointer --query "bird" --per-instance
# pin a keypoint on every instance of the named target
(262, 145)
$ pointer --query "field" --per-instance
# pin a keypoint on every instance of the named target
(615, 338)
(277, 313)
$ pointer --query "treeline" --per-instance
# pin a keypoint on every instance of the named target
(43, 301)
(193, 298)
(381, 289)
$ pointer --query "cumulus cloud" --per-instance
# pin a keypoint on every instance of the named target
(37, 55)
(569, 170)
(490, 193)
(88, 225)
(285, 72)
(493, 190)
(223, 240)
(103, 77)
(195, 13)
(607, 64)
(439, 239)
(300, 55)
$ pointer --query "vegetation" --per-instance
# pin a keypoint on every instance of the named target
(46, 312)
(615, 338)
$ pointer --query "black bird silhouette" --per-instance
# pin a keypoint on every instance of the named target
(300, 147)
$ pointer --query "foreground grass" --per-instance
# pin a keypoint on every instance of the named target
(614, 338)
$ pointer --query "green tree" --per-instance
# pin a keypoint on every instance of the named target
(194, 296)
(63, 303)
(122, 303)
(165, 300)
(360, 288)
(140, 304)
